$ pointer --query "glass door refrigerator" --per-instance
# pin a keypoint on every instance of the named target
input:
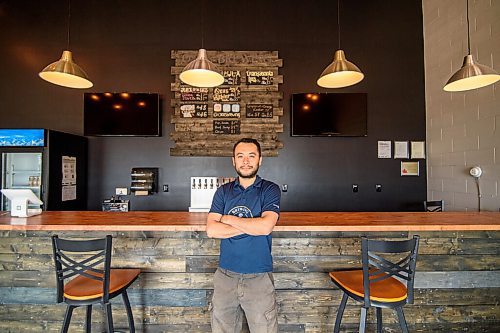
(21, 170)
(50, 163)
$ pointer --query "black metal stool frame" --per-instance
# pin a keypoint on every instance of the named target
(67, 267)
(376, 268)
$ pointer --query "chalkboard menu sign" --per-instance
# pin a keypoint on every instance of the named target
(227, 94)
(232, 78)
(259, 78)
(227, 126)
(226, 110)
(194, 94)
(194, 111)
(259, 111)
(208, 121)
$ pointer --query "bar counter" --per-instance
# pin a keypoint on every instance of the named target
(457, 280)
(289, 221)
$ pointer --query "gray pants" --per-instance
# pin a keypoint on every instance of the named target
(251, 294)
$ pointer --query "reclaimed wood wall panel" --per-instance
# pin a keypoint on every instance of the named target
(457, 281)
(196, 134)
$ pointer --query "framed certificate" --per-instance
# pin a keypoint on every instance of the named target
(410, 168)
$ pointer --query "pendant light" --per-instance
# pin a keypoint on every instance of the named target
(341, 72)
(472, 75)
(65, 72)
(201, 72)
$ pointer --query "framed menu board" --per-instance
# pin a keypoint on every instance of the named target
(208, 121)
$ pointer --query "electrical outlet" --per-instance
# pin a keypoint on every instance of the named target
(284, 187)
(121, 191)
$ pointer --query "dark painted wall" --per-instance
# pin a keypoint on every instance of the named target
(59, 145)
(125, 46)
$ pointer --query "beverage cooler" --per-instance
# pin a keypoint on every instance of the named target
(50, 163)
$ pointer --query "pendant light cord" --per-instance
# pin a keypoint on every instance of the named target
(69, 21)
(468, 29)
(338, 19)
(202, 23)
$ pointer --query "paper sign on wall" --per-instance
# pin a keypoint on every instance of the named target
(384, 149)
(68, 190)
(417, 149)
(401, 149)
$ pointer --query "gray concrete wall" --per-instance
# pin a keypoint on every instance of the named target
(463, 128)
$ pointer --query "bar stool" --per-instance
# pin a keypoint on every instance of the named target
(88, 262)
(379, 284)
(434, 206)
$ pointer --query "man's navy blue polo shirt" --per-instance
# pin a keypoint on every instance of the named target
(245, 253)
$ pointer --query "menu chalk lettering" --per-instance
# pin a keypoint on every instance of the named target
(227, 94)
(227, 127)
(259, 111)
(232, 78)
(259, 78)
(226, 110)
(194, 111)
(194, 94)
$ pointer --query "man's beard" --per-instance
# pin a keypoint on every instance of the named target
(250, 175)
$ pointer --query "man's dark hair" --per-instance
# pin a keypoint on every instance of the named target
(248, 140)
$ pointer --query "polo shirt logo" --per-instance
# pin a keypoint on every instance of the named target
(241, 211)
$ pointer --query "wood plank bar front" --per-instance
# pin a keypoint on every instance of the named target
(457, 281)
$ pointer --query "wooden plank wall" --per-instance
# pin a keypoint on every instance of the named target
(458, 281)
(194, 135)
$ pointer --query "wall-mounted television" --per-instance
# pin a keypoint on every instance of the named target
(121, 114)
(329, 114)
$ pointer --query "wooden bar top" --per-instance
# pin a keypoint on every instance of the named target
(289, 221)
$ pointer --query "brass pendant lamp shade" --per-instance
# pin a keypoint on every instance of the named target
(201, 72)
(340, 73)
(472, 75)
(66, 73)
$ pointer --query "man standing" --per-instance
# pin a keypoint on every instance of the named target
(243, 214)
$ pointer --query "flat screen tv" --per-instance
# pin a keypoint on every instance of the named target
(329, 114)
(121, 114)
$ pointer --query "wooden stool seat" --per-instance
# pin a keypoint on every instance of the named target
(84, 278)
(385, 280)
(84, 288)
(388, 290)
